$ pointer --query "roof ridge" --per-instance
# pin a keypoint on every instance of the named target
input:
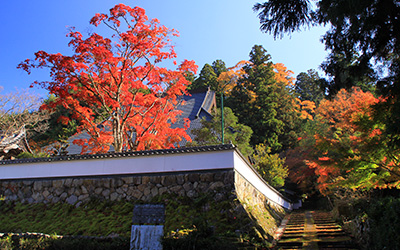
(204, 101)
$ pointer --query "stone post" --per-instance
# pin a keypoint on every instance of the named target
(147, 229)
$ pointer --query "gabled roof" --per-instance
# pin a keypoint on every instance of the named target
(11, 145)
(195, 106)
(12, 140)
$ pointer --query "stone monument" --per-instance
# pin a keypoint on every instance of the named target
(147, 227)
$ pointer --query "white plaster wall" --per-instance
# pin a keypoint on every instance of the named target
(250, 174)
(119, 166)
(226, 159)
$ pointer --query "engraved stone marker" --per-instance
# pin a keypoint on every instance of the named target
(153, 214)
(147, 237)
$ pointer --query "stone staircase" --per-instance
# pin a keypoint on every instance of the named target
(311, 230)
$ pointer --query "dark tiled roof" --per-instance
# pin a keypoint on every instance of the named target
(196, 106)
(181, 150)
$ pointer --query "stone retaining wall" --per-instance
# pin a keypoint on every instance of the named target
(134, 187)
(267, 213)
(221, 184)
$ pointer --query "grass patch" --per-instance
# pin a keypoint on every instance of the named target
(92, 219)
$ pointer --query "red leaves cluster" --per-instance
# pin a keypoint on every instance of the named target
(350, 149)
(346, 147)
(117, 81)
(346, 108)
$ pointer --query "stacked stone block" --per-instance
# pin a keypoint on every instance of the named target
(135, 187)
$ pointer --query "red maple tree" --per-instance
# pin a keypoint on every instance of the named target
(117, 81)
(345, 147)
(351, 149)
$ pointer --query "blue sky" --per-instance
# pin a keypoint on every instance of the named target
(209, 30)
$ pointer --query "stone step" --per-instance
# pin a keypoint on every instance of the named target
(312, 230)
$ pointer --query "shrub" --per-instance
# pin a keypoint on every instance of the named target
(52, 243)
(375, 222)
(384, 218)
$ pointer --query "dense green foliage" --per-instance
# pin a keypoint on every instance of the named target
(270, 166)
(211, 132)
(208, 77)
(264, 104)
(219, 67)
(57, 132)
(384, 219)
(342, 70)
(308, 86)
(372, 218)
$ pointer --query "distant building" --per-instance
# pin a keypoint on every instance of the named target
(12, 145)
(198, 105)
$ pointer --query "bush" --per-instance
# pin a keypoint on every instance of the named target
(374, 222)
(6, 243)
(384, 221)
(53, 243)
(270, 166)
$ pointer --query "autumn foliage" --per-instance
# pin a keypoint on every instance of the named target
(114, 86)
(282, 74)
(348, 149)
(229, 78)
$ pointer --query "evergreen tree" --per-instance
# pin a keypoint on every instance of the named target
(208, 76)
(264, 104)
(219, 67)
(308, 86)
(270, 166)
(344, 70)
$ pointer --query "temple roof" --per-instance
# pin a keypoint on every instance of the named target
(195, 107)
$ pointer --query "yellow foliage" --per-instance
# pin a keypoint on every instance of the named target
(282, 74)
(228, 79)
(306, 109)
